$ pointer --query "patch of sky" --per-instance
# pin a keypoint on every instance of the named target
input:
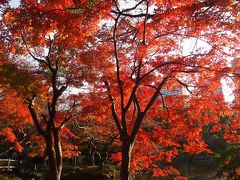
(14, 3)
(195, 46)
(228, 88)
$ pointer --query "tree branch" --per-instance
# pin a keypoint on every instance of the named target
(185, 85)
(155, 95)
(133, 15)
(35, 119)
(141, 115)
(31, 54)
(67, 118)
(115, 117)
(144, 26)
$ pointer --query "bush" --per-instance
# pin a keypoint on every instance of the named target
(2, 177)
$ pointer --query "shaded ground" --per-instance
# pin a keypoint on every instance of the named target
(202, 176)
(110, 172)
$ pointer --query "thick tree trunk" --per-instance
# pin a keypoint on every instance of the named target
(54, 152)
(126, 158)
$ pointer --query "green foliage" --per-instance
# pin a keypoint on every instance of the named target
(215, 141)
(2, 177)
(230, 162)
(91, 172)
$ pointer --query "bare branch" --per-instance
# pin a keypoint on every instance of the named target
(134, 7)
(133, 15)
(115, 2)
(185, 85)
(137, 82)
(219, 104)
(155, 95)
(141, 115)
(35, 119)
(31, 54)
(164, 104)
(64, 122)
(120, 83)
(178, 62)
(135, 100)
(115, 117)
(145, 24)
(67, 118)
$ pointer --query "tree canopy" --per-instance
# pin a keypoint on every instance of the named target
(153, 71)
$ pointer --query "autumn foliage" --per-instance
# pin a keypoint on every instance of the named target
(144, 76)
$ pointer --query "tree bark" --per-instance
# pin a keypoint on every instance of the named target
(54, 152)
(58, 150)
(126, 158)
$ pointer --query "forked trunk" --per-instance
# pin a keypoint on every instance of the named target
(54, 152)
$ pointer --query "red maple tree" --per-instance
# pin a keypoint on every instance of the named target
(147, 40)
(139, 50)
(48, 40)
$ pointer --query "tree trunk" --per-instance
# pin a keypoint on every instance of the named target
(54, 153)
(93, 158)
(126, 158)
(58, 150)
(75, 161)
